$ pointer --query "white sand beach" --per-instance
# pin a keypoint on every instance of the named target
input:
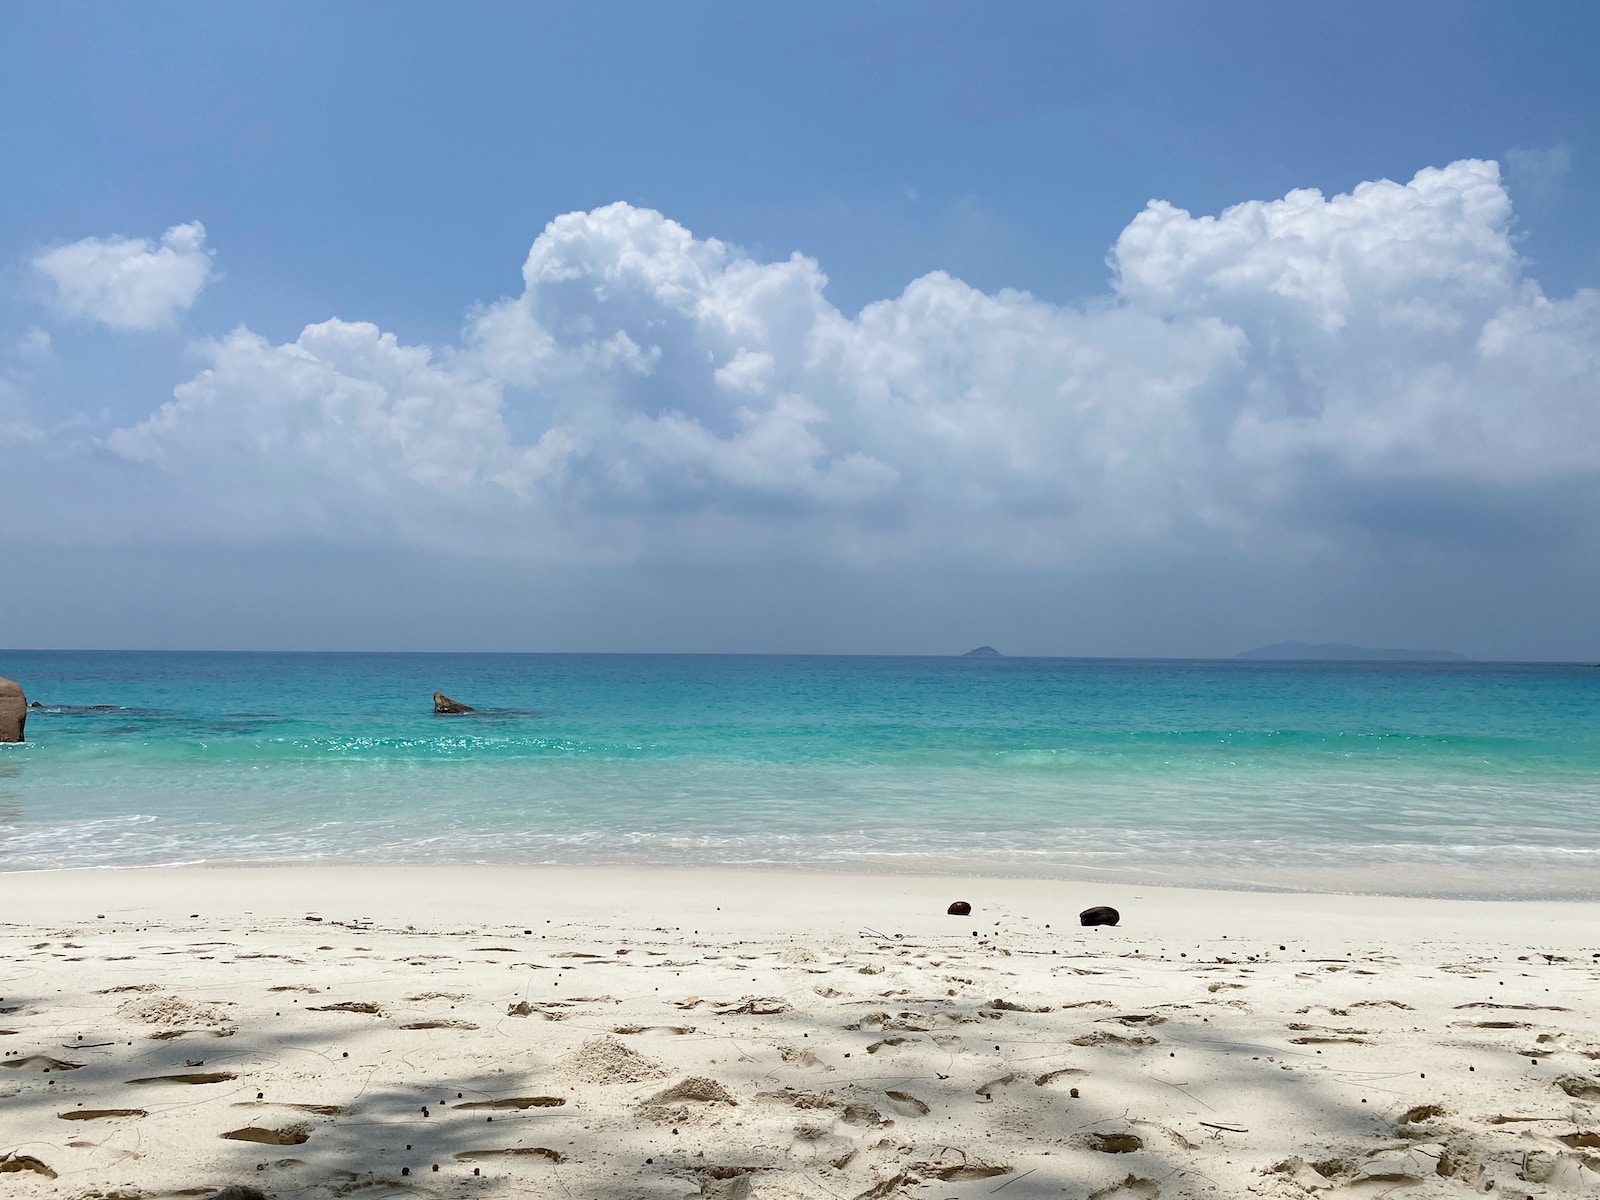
(478, 1031)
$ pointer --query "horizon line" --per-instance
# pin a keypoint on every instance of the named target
(824, 654)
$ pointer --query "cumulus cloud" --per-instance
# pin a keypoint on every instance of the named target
(1284, 375)
(130, 283)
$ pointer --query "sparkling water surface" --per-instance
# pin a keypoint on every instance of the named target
(1469, 779)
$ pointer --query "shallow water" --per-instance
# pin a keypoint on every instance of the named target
(1467, 779)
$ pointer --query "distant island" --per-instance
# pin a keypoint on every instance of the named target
(1340, 652)
(983, 652)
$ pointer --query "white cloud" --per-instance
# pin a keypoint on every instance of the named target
(1282, 376)
(31, 354)
(130, 283)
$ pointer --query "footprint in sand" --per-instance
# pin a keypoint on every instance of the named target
(1050, 1077)
(40, 1062)
(439, 1025)
(1579, 1087)
(1113, 1142)
(543, 1152)
(906, 1104)
(797, 1056)
(862, 1115)
(10, 1163)
(322, 1110)
(1133, 1187)
(292, 1135)
(887, 1044)
(523, 1009)
(365, 1007)
(990, 1086)
(968, 1167)
(1419, 1114)
(1114, 1040)
(100, 1114)
(516, 1102)
(757, 1006)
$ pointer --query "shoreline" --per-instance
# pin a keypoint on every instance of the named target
(797, 900)
(1428, 881)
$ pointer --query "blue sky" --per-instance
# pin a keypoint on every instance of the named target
(391, 165)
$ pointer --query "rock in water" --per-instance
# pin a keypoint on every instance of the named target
(960, 909)
(13, 711)
(1100, 914)
(443, 704)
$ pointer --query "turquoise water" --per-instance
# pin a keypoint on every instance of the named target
(1444, 778)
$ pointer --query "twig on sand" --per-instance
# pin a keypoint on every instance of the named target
(1224, 1128)
(1013, 1179)
(1175, 1087)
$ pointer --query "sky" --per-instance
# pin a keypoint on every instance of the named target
(1148, 329)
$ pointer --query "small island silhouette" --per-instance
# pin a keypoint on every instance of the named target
(983, 652)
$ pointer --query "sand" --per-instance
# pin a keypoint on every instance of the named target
(478, 1031)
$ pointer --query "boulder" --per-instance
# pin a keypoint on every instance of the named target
(13, 711)
(960, 909)
(1100, 914)
(443, 704)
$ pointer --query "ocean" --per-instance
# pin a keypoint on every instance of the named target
(1451, 779)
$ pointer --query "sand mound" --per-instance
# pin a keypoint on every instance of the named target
(696, 1087)
(606, 1060)
(169, 1010)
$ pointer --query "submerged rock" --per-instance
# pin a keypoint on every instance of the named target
(443, 704)
(13, 710)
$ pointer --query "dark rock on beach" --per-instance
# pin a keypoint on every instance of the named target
(443, 704)
(13, 711)
(960, 909)
(1100, 914)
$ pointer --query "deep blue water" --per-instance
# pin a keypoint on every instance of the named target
(1449, 778)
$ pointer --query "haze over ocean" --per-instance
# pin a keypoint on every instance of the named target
(1464, 779)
